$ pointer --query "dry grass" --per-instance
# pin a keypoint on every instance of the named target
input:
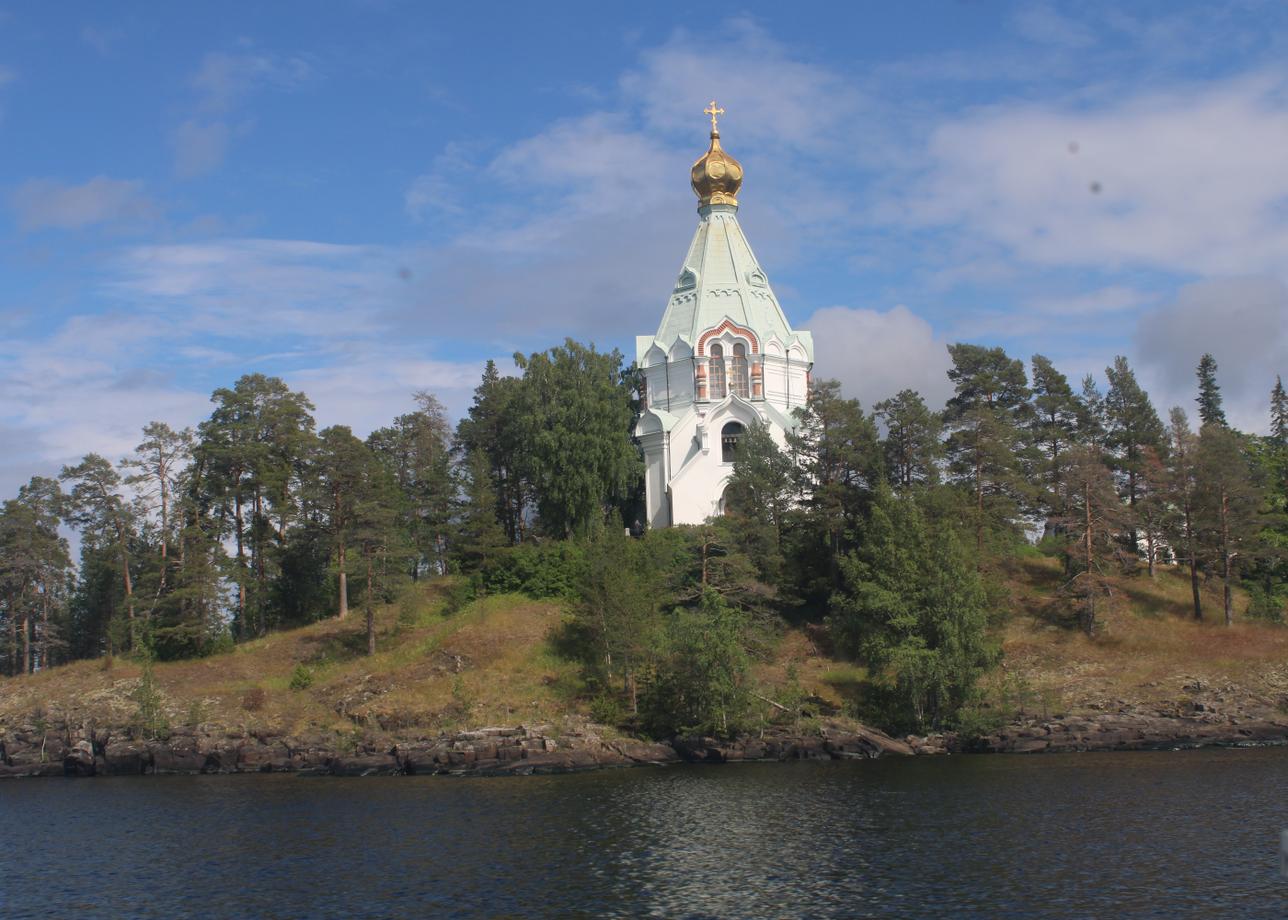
(488, 662)
(1148, 645)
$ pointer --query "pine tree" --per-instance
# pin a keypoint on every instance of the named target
(1092, 518)
(1182, 487)
(912, 445)
(1133, 429)
(1052, 429)
(159, 460)
(338, 473)
(1209, 398)
(1227, 502)
(98, 510)
(758, 497)
(985, 447)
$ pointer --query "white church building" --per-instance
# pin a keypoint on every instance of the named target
(724, 357)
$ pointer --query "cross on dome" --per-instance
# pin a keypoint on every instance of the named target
(713, 112)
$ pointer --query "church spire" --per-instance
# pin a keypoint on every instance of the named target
(716, 176)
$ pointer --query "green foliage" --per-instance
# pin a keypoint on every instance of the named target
(301, 677)
(540, 570)
(701, 681)
(1211, 411)
(606, 709)
(915, 609)
(149, 714)
(911, 447)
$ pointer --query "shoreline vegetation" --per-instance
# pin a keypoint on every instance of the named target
(1028, 569)
(484, 690)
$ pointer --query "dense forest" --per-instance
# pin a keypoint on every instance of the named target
(884, 528)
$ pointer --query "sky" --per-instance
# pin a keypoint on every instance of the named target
(373, 198)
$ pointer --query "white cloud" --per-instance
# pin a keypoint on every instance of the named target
(1043, 23)
(199, 147)
(876, 354)
(1188, 181)
(1242, 322)
(47, 203)
(222, 79)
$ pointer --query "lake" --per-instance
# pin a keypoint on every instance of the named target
(1192, 833)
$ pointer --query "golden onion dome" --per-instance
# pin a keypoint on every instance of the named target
(716, 176)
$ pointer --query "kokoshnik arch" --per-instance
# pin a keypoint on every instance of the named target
(724, 357)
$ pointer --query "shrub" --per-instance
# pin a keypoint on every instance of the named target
(301, 678)
(539, 570)
(254, 699)
(149, 717)
(606, 709)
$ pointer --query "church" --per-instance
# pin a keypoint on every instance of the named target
(724, 357)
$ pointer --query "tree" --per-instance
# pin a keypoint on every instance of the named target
(912, 447)
(97, 509)
(984, 446)
(339, 470)
(1133, 429)
(1226, 502)
(1053, 426)
(758, 497)
(575, 411)
(838, 466)
(1092, 519)
(416, 451)
(159, 460)
(702, 678)
(479, 535)
(35, 569)
(619, 610)
(253, 449)
(493, 429)
(1279, 414)
(1209, 398)
(914, 608)
(1182, 486)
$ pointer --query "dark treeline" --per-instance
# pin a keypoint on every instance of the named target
(888, 527)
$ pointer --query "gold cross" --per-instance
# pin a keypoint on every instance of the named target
(713, 112)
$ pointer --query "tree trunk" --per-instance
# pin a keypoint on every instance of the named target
(1225, 557)
(241, 567)
(371, 613)
(26, 643)
(344, 583)
(1194, 563)
(1149, 551)
(1091, 587)
(44, 627)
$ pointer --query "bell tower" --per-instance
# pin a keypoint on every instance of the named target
(724, 357)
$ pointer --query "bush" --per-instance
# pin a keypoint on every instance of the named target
(606, 709)
(702, 675)
(539, 570)
(149, 717)
(301, 678)
(254, 699)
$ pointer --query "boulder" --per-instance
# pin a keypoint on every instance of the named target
(79, 759)
(365, 765)
(123, 758)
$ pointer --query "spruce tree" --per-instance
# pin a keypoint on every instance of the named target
(1279, 414)
(1209, 398)
(1133, 429)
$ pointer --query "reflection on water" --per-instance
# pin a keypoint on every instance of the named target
(1161, 834)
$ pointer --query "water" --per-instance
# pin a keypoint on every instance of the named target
(1092, 835)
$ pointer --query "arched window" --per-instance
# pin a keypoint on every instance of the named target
(717, 372)
(738, 372)
(729, 437)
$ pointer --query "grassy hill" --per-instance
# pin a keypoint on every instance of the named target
(492, 663)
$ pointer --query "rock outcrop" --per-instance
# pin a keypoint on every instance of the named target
(86, 751)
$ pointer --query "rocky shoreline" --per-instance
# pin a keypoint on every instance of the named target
(34, 750)
(30, 750)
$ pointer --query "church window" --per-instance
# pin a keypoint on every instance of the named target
(717, 372)
(729, 437)
(738, 383)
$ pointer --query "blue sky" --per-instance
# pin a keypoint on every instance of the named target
(371, 198)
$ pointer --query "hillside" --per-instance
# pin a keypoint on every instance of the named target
(492, 663)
